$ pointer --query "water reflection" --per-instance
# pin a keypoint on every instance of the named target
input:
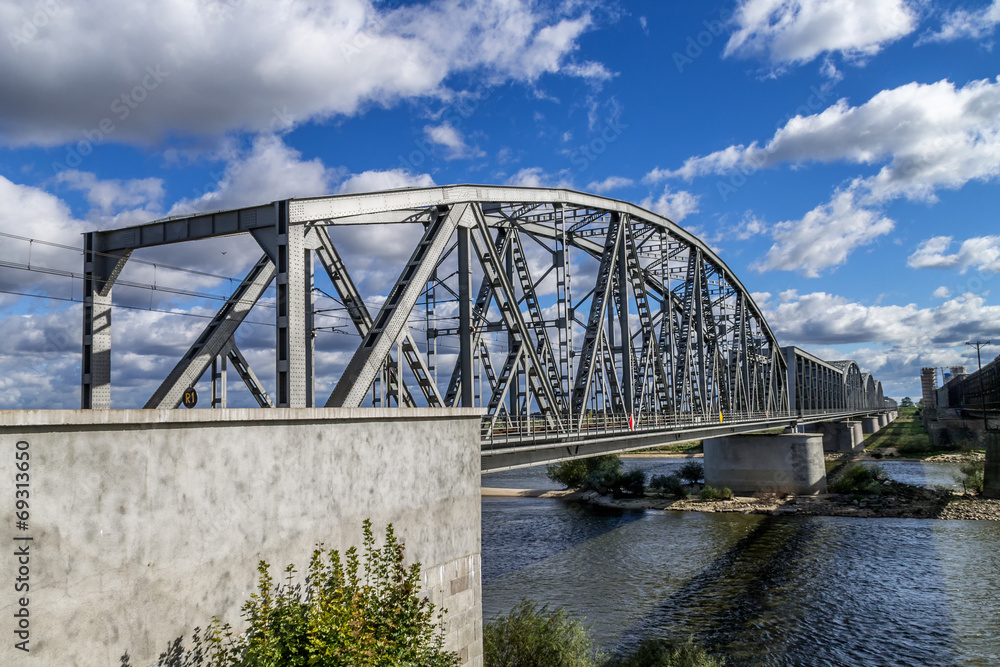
(759, 590)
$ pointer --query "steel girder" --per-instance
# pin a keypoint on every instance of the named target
(671, 329)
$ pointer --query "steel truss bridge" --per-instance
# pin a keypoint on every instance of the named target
(578, 324)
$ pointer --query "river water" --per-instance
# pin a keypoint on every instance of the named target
(759, 590)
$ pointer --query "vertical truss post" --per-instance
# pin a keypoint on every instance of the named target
(514, 385)
(465, 314)
(293, 281)
(219, 381)
(628, 370)
(100, 270)
(564, 314)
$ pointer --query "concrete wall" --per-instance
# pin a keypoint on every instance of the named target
(991, 480)
(750, 463)
(147, 523)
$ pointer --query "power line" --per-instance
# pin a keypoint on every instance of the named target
(105, 254)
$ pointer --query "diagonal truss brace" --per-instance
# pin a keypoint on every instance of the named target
(358, 312)
(390, 324)
(595, 323)
(213, 340)
(242, 368)
(490, 260)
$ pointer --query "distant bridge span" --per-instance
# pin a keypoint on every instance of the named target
(579, 324)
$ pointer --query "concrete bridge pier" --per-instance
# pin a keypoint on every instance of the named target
(870, 425)
(991, 480)
(883, 420)
(750, 463)
(839, 437)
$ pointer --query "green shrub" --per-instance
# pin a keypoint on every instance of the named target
(710, 493)
(661, 653)
(631, 483)
(692, 472)
(668, 485)
(600, 473)
(530, 636)
(347, 613)
(858, 478)
(972, 476)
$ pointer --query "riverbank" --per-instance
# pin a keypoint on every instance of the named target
(898, 501)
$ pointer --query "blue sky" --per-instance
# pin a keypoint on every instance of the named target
(842, 156)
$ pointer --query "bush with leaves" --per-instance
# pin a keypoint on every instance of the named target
(347, 614)
(711, 493)
(692, 472)
(599, 473)
(631, 483)
(662, 653)
(533, 636)
(858, 478)
(972, 476)
(667, 485)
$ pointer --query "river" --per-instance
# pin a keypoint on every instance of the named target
(759, 590)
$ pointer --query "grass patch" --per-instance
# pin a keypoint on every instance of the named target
(711, 493)
(906, 434)
(693, 447)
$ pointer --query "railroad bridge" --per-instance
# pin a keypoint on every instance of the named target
(526, 326)
(578, 324)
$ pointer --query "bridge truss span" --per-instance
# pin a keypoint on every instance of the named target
(551, 310)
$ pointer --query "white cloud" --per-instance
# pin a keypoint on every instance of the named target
(609, 184)
(269, 171)
(536, 177)
(390, 179)
(137, 72)
(824, 237)
(981, 252)
(797, 31)
(941, 293)
(928, 136)
(672, 205)
(820, 318)
(107, 195)
(896, 341)
(961, 23)
(446, 135)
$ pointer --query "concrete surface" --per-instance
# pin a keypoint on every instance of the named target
(991, 480)
(870, 425)
(751, 463)
(144, 524)
(839, 437)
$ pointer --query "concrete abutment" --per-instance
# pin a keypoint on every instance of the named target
(870, 425)
(839, 437)
(144, 524)
(769, 463)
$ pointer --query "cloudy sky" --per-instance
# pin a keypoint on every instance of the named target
(842, 156)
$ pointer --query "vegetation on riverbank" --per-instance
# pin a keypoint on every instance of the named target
(603, 474)
(906, 438)
(352, 611)
(533, 636)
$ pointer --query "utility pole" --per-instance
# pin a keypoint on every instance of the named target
(982, 391)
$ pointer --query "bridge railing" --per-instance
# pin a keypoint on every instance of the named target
(525, 431)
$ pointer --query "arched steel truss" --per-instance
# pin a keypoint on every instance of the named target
(600, 308)
(568, 311)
